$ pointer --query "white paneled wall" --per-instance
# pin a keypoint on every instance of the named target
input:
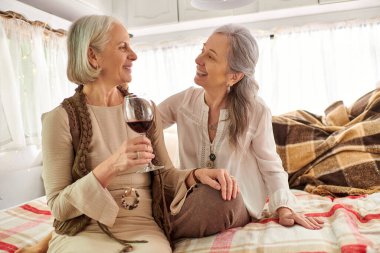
(20, 176)
(147, 12)
(148, 17)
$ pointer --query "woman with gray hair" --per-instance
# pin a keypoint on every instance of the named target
(224, 124)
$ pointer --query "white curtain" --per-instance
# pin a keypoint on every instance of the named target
(306, 68)
(313, 66)
(164, 69)
(32, 80)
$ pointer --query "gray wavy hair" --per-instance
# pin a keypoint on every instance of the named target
(242, 57)
(88, 31)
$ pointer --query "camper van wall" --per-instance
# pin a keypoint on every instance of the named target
(166, 16)
(20, 176)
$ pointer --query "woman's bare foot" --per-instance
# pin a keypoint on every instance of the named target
(41, 246)
(31, 249)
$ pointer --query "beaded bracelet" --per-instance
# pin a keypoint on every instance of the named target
(194, 177)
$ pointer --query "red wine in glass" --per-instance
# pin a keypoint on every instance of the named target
(140, 126)
(138, 114)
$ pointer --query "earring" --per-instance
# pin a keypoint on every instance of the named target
(228, 88)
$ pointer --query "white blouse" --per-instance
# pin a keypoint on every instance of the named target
(257, 167)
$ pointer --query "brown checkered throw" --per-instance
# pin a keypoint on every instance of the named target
(337, 154)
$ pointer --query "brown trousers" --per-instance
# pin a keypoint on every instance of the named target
(205, 213)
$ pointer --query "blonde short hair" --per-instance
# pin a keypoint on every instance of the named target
(88, 31)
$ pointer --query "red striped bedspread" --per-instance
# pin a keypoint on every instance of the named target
(352, 225)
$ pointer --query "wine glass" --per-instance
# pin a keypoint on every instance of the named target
(138, 113)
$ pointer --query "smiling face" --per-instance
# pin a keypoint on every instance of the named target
(212, 64)
(116, 58)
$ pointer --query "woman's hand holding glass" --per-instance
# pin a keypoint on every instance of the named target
(139, 114)
(133, 153)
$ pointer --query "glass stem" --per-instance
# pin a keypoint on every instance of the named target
(150, 164)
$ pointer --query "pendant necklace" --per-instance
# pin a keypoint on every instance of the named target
(208, 159)
(212, 158)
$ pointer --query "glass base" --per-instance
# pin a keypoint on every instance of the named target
(150, 168)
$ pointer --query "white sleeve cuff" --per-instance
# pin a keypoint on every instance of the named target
(283, 198)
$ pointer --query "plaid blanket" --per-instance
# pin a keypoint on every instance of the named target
(337, 154)
(24, 225)
(352, 225)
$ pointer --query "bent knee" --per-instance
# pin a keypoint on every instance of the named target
(210, 196)
(211, 206)
(206, 213)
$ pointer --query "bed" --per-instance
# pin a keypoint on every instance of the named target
(336, 175)
(352, 225)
